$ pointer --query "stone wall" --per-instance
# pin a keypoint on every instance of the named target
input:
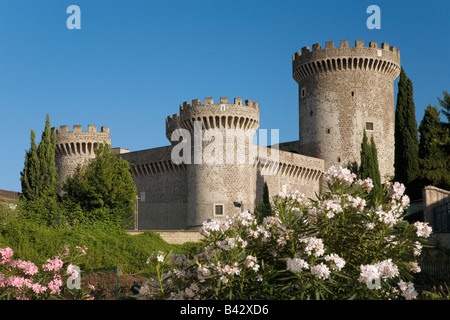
(342, 91)
(433, 197)
(175, 236)
(77, 147)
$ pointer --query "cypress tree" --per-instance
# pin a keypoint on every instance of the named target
(39, 177)
(29, 177)
(369, 161)
(432, 157)
(373, 163)
(445, 104)
(263, 209)
(406, 162)
(46, 155)
(364, 168)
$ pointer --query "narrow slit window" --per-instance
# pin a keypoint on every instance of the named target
(303, 92)
(218, 209)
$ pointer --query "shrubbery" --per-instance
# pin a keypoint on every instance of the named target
(347, 244)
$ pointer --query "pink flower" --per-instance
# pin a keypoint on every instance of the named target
(54, 265)
(37, 288)
(5, 253)
(55, 284)
(18, 282)
(28, 267)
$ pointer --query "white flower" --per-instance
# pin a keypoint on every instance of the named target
(405, 201)
(250, 262)
(321, 271)
(408, 290)
(414, 267)
(368, 273)
(368, 184)
(160, 256)
(423, 229)
(339, 173)
(387, 269)
(337, 262)
(295, 265)
(396, 190)
(370, 225)
(313, 244)
(356, 203)
(417, 249)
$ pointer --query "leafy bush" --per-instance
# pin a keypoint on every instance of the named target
(346, 244)
(109, 245)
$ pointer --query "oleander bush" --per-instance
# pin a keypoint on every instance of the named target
(348, 243)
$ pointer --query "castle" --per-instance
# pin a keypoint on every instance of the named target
(342, 91)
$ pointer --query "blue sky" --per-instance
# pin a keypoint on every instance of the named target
(133, 62)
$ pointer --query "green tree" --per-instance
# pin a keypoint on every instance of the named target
(264, 208)
(445, 104)
(39, 178)
(369, 167)
(29, 177)
(374, 167)
(46, 155)
(364, 167)
(433, 153)
(103, 189)
(406, 162)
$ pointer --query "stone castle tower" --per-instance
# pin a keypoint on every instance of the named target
(76, 147)
(342, 91)
(220, 171)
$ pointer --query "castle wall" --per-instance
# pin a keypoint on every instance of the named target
(343, 91)
(161, 188)
(294, 172)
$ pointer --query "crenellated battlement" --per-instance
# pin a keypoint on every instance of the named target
(223, 100)
(222, 114)
(92, 128)
(78, 142)
(384, 59)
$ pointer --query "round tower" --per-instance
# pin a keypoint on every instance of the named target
(342, 91)
(221, 177)
(76, 147)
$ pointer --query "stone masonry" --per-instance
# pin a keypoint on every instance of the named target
(342, 90)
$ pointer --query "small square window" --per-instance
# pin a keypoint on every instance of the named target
(369, 125)
(218, 209)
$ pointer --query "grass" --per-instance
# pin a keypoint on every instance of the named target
(108, 245)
